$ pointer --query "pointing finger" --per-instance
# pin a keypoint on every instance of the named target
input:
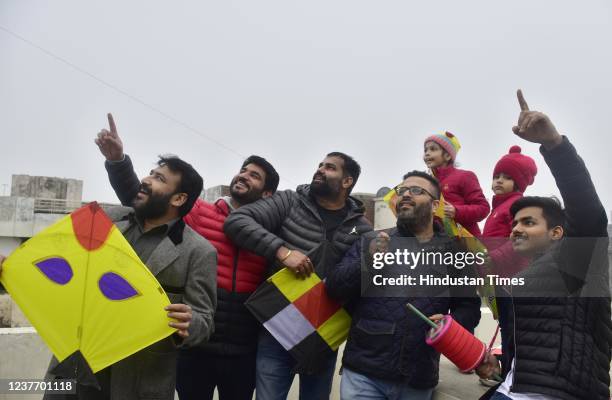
(111, 124)
(521, 100)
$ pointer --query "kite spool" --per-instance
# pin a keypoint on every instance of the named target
(457, 344)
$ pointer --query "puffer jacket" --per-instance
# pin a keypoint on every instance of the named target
(239, 272)
(386, 340)
(290, 218)
(561, 339)
(461, 189)
(496, 236)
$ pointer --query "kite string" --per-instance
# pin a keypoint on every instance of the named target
(130, 96)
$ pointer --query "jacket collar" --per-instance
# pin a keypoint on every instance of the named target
(175, 233)
(438, 229)
(442, 172)
(355, 206)
(498, 199)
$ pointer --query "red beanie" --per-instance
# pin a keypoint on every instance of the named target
(522, 169)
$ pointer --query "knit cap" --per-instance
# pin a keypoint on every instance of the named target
(522, 169)
(447, 141)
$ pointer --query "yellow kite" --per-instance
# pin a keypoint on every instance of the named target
(86, 291)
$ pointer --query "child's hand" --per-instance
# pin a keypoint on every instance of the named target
(489, 367)
(450, 211)
(535, 126)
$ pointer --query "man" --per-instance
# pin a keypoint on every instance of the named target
(227, 360)
(386, 356)
(185, 265)
(561, 333)
(306, 230)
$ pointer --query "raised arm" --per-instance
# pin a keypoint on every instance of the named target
(120, 170)
(586, 216)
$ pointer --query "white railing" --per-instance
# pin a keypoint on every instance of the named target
(59, 206)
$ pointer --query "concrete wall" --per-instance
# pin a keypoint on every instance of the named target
(46, 187)
(211, 194)
(18, 219)
(384, 218)
(23, 355)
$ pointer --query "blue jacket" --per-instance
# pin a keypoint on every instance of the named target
(386, 340)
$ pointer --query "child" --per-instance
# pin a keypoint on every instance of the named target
(511, 176)
(465, 202)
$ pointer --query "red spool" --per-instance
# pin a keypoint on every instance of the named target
(457, 344)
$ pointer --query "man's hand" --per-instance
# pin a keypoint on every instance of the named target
(489, 367)
(296, 261)
(436, 317)
(450, 211)
(182, 314)
(535, 126)
(380, 244)
(109, 143)
(2, 258)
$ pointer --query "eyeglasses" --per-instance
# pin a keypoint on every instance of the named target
(414, 191)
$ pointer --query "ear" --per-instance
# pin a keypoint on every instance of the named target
(556, 233)
(266, 193)
(178, 199)
(347, 182)
(434, 205)
(447, 157)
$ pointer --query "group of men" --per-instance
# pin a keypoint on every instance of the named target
(210, 257)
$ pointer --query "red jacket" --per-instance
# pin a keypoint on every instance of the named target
(239, 272)
(461, 189)
(496, 233)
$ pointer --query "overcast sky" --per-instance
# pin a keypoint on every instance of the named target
(215, 81)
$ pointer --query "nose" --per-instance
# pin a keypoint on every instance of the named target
(516, 231)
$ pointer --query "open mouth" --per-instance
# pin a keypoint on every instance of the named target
(144, 191)
(241, 184)
(405, 204)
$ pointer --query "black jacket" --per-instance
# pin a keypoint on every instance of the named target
(561, 339)
(291, 219)
(386, 340)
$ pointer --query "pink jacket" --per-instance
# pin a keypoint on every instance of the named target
(496, 233)
(461, 189)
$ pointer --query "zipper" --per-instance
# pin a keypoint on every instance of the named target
(235, 269)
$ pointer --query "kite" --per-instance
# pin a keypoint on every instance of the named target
(86, 292)
(472, 244)
(301, 316)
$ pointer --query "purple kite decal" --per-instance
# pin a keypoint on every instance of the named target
(57, 269)
(115, 287)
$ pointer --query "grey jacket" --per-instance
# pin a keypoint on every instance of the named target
(291, 219)
(185, 264)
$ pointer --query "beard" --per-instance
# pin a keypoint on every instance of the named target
(324, 188)
(415, 219)
(156, 206)
(247, 197)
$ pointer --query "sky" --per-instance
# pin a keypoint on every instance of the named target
(216, 81)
